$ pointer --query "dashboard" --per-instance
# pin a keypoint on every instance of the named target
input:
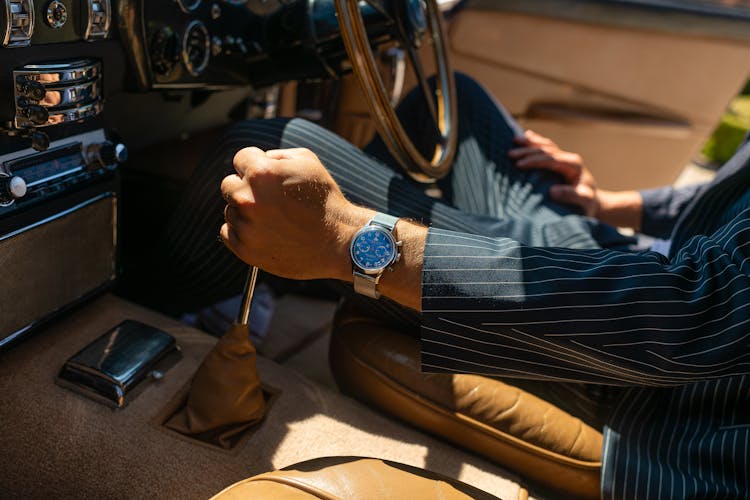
(62, 57)
(82, 81)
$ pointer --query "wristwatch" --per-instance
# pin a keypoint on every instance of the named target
(373, 250)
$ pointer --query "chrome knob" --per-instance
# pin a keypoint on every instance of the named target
(106, 154)
(113, 153)
(11, 189)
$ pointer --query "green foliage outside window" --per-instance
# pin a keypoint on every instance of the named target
(732, 129)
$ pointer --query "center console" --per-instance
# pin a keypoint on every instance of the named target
(59, 186)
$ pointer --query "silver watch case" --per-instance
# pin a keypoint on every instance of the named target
(396, 246)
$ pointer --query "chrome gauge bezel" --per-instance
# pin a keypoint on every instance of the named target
(55, 8)
(187, 6)
(189, 66)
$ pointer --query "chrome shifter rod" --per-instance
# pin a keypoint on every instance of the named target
(247, 297)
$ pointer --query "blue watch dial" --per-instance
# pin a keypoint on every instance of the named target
(373, 248)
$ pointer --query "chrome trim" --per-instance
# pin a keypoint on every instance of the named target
(106, 8)
(60, 73)
(62, 115)
(69, 96)
(56, 176)
(196, 70)
(27, 8)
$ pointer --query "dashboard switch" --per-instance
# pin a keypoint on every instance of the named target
(19, 23)
(30, 88)
(36, 114)
(99, 19)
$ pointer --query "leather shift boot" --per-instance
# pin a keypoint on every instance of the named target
(225, 396)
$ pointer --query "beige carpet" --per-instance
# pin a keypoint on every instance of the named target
(57, 444)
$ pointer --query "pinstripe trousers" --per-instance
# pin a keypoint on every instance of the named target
(687, 441)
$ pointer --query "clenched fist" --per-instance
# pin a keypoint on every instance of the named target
(286, 215)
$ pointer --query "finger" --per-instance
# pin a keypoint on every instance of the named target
(546, 162)
(567, 194)
(537, 139)
(521, 140)
(521, 152)
(287, 154)
(538, 160)
(247, 158)
(231, 185)
(229, 238)
(239, 222)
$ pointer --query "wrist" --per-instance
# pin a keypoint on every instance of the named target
(621, 208)
(350, 219)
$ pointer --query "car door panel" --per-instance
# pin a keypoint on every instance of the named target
(636, 102)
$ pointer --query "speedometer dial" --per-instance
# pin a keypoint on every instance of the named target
(196, 45)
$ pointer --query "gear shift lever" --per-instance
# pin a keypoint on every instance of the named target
(225, 397)
(247, 297)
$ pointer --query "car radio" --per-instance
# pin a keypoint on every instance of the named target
(77, 160)
(58, 227)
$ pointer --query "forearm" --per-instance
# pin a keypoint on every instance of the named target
(621, 208)
(494, 306)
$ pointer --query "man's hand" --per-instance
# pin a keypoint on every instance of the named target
(538, 152)
(286, 215)
(619, 208)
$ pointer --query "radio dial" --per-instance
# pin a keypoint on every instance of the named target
(111, 154)
(11, 188)
(106, 154)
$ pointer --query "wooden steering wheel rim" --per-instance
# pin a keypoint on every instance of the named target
(386, 121)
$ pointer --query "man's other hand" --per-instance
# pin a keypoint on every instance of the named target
(286, 215)
(619, 208)
(535, 151)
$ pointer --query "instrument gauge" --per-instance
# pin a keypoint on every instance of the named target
(188, 5)
(196, 47)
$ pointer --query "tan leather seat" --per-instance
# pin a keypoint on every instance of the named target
(505, 424)
(351, 478)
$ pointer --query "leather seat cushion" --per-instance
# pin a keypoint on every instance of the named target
(513, 428)
(350, 477)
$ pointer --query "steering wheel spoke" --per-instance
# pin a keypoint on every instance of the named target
(424, 19)
(427, 93)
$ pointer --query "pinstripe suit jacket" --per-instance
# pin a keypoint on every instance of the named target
(675, 330)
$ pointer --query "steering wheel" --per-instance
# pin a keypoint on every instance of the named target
(412, 19)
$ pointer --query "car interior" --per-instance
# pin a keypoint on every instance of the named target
(107, 109)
